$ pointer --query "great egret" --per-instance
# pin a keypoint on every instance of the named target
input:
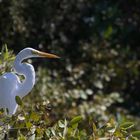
(10, 84)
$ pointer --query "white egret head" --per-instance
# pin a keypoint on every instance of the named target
(30, 52)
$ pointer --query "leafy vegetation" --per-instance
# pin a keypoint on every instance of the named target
(56, 113)
(96, 82)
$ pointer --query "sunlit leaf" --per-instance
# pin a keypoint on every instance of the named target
(34, 116)
(76, 120)
(111, 129)
(28, 124)
(61, 124)
(127, 125)
(98, 84)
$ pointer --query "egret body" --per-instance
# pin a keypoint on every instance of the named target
(10, 84)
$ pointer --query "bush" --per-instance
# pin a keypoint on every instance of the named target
(98, 41)
(52, 112)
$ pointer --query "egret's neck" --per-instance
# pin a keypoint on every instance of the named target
(28, 72)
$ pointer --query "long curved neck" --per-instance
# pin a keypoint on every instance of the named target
(28, 72)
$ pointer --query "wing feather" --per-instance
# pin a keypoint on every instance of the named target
(8, 87)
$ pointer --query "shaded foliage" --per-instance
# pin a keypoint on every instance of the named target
(98, 42)
(42, 114)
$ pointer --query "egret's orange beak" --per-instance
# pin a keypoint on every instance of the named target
(43, 54)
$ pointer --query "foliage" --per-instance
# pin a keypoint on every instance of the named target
(6, 59)
(97, 40)
(62, 114)
(37, 124)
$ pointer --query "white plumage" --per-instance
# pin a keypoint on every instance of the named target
(10, 84)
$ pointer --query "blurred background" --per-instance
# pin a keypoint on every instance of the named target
(98, 74)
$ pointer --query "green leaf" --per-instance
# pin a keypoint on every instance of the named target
(28, 124)
(18, 100)
(21, 137)
(136, 134)
(39, 131)
(127, 125)
(94, 127)
(108, 32)
(76, 120)
(34, 116)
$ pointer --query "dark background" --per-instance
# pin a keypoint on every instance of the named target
(98, 42)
